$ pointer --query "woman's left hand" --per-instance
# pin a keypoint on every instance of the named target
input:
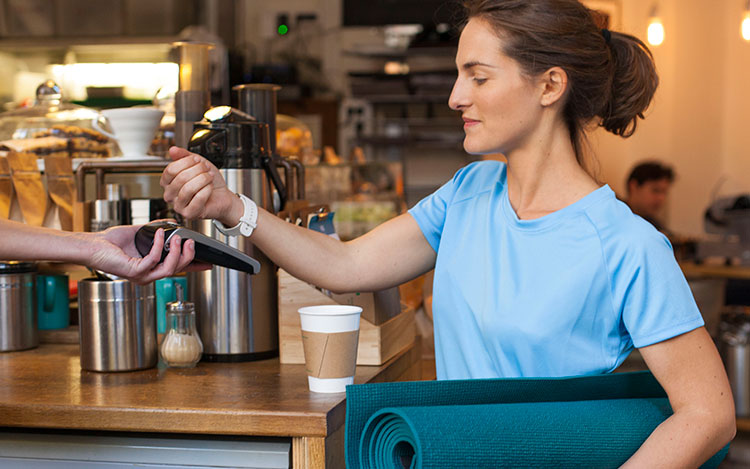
(113, 251)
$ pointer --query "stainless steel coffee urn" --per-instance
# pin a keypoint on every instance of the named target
(237, 313)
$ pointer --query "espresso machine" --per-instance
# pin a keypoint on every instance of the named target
(728, 220)
(237, 312)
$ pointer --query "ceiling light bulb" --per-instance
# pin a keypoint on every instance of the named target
(655, 32)
(746, 26)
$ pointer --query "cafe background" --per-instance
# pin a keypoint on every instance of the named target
(697, 121)
(373, 95)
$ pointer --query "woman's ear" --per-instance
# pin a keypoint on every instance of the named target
(554, 83)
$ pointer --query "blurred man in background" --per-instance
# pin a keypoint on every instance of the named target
(647, 189)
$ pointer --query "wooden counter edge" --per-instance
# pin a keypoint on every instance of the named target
(692, 270)
(197, 421)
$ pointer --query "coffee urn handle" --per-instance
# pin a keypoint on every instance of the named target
(270, 167)
(282, 162)
(300, 180)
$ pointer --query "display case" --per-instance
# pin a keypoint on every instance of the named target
(52, 126)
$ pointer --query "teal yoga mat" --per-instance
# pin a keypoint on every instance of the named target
(591, 421)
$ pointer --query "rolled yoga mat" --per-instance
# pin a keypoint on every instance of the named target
(592, 421)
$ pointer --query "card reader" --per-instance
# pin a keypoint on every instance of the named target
(207, 249)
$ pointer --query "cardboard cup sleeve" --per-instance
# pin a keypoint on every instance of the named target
(330, 355)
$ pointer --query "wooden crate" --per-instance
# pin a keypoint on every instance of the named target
(377, 344)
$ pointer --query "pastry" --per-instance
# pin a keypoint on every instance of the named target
(38, 146)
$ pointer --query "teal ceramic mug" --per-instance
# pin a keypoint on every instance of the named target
(166, 293)
(53, 301)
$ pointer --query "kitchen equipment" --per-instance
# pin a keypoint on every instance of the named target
(207, 249)
(134, 129)
(734, 348)
(18, 316)
(108, 210)
(164, 138)
(259, 100)
(182, 345)
(237, 313)
(194, 94)
(142, 211)
(117, 324)
(728, 217)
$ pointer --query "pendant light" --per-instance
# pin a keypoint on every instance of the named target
(746, 22)
(655, 31)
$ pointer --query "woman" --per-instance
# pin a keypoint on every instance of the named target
(111, 251)
(539, 271)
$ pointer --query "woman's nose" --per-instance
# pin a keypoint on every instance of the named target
(457, 100)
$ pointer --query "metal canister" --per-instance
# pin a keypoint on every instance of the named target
(118, 325)
(734, 348)
(18, 316)
(237, 312)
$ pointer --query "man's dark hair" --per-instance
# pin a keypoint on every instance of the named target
(650, 171)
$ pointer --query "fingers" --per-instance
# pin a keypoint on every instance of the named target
(154, 255)
(191, 203)
(174, 168)
(187, 255)
(177, 153)
(183, 187)
(147, 272)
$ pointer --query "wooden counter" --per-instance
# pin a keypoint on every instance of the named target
(45, 388)
(693, 270)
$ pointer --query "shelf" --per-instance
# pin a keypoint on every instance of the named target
(385, 52)
(403, 98)
(59, 42)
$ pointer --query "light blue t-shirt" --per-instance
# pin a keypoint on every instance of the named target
(570, 293)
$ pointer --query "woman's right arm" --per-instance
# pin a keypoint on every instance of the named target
(389, 255)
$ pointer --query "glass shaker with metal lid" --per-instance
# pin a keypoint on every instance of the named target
(182, 346)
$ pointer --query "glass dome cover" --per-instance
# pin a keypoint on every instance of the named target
(294, 139)
(50, 115)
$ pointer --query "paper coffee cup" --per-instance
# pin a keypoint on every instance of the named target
(330, 334)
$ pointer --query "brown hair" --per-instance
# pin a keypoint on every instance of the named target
(611, 75)
(650, 171)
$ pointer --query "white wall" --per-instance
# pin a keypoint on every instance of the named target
(699, 119)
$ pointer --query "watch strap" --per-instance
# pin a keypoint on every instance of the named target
(248, 220)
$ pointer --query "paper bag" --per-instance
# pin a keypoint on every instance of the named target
(27, 182)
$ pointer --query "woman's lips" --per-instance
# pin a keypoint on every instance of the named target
(469, 122)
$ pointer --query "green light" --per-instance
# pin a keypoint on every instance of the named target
(282, 29)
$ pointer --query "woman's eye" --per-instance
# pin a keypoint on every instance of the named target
(479, 81)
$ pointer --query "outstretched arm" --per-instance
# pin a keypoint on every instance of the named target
(691, 372)
(111, 251)
(391, 254)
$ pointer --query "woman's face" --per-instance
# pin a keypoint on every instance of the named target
(499, 106)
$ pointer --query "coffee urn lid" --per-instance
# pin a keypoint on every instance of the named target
(17, 267)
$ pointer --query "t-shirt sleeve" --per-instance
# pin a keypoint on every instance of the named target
(657, 303)
(430, 212)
